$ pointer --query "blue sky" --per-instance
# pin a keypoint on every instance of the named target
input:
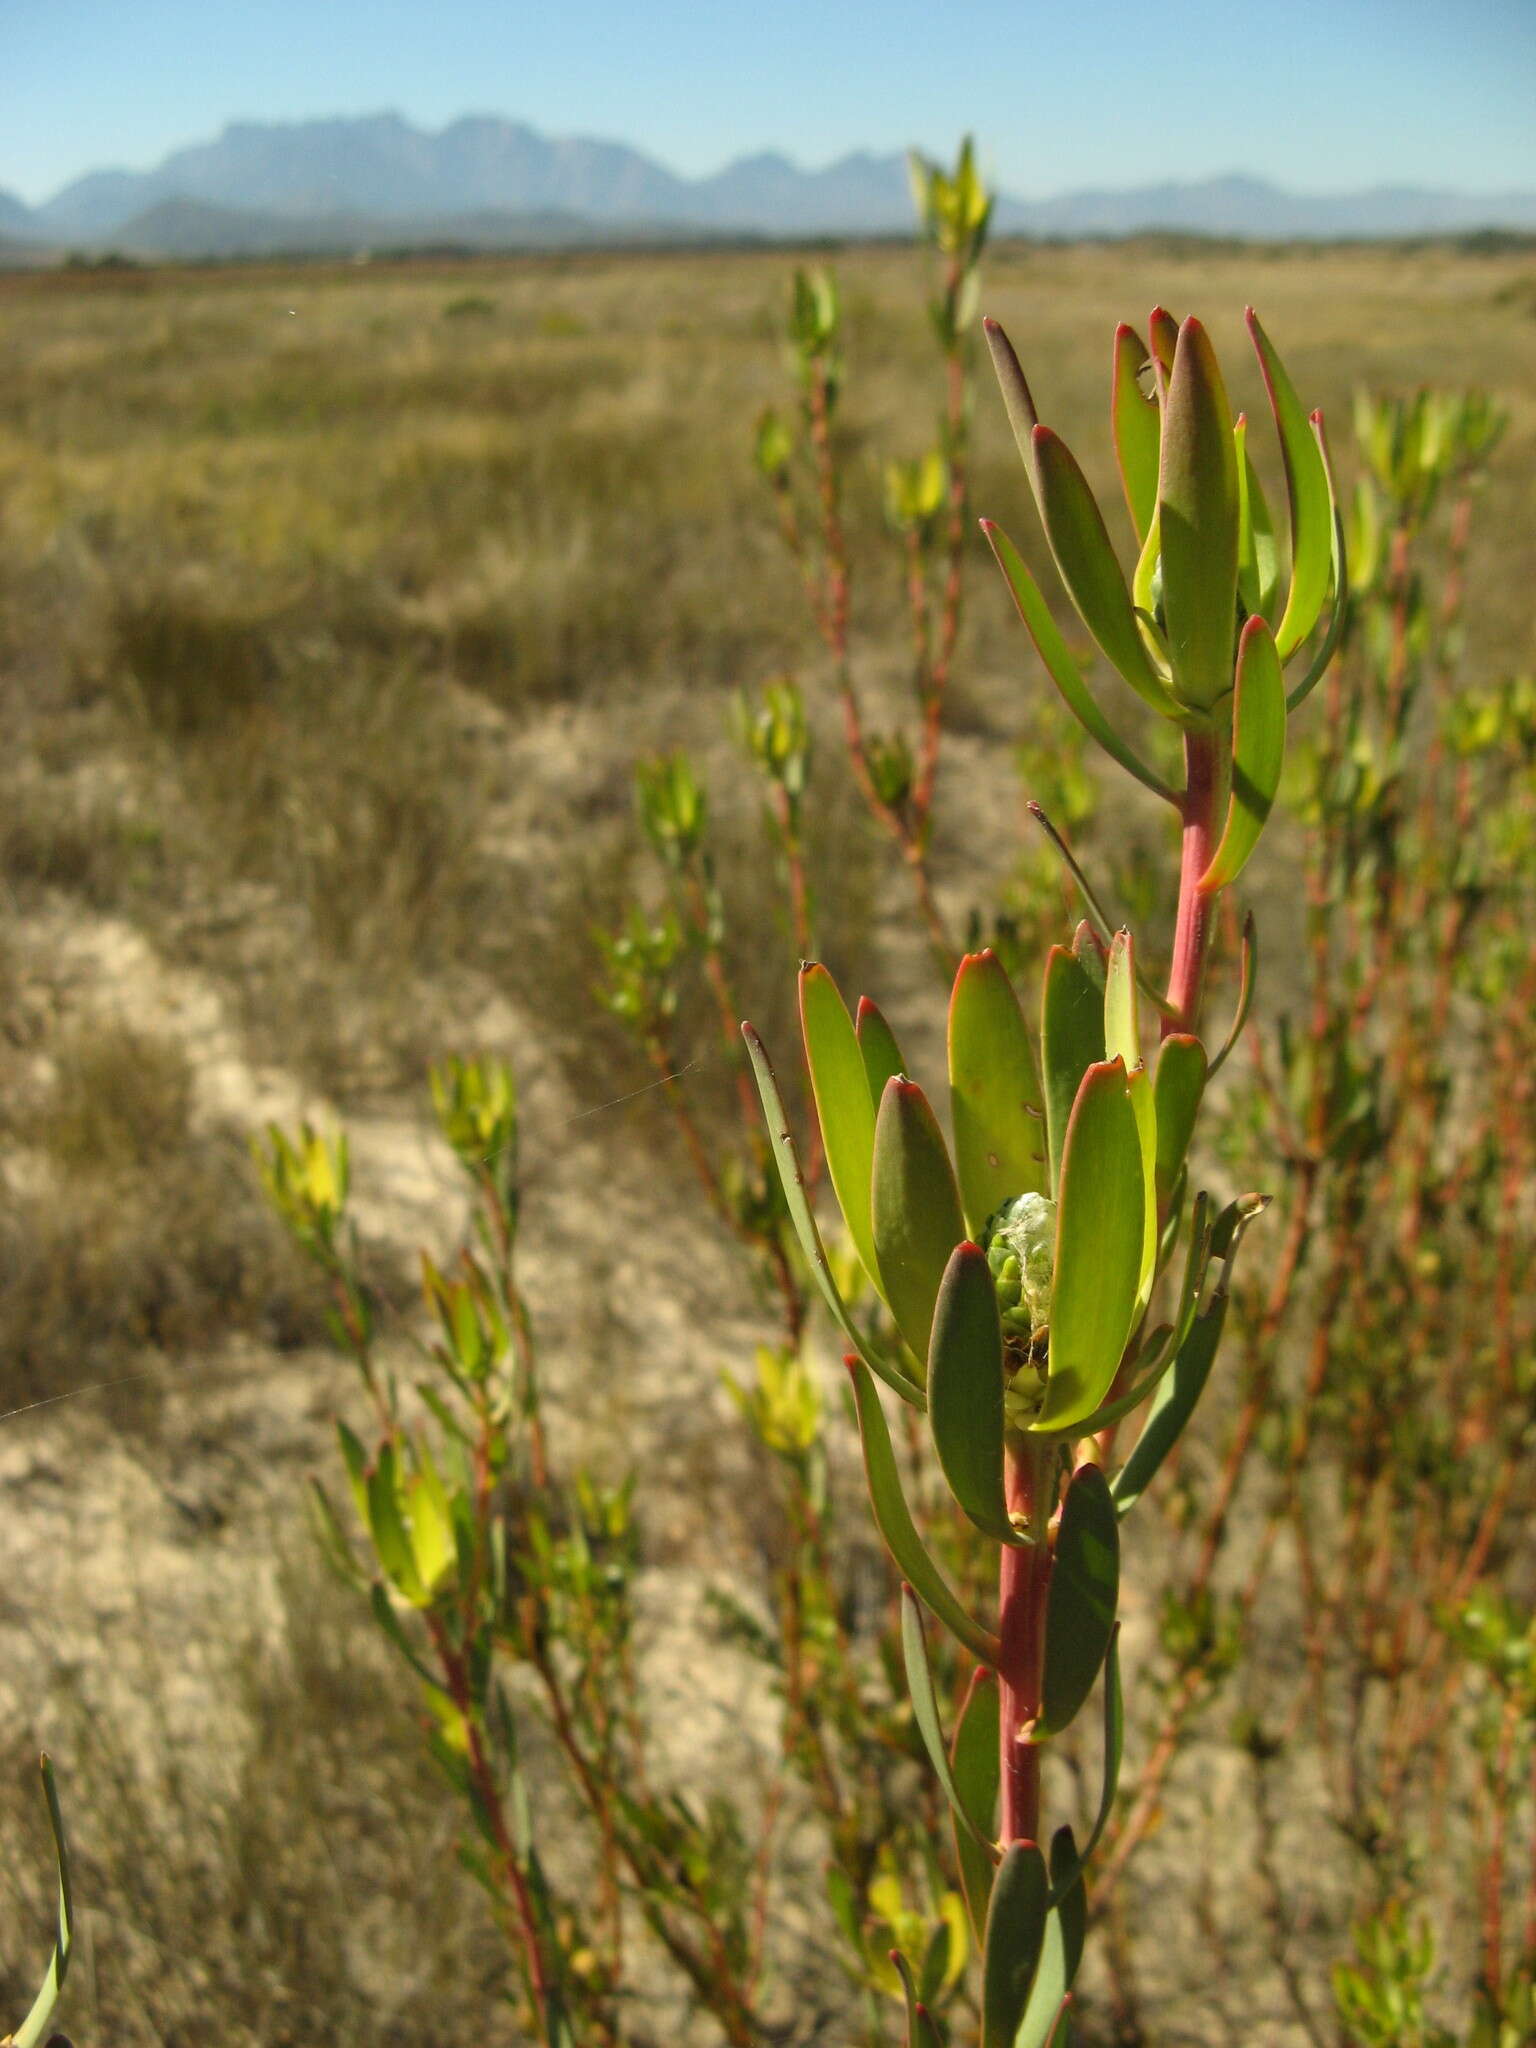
(1314, 94)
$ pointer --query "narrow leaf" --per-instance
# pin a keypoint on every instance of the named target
(965, 1390)
(893, 1519)
(386, 1524)
(843, 1104)
(1072, 1905)
(1258, 753)
(1247, 972)
(925, 1709)
(1014, 1938)
(1163, 333)
(1122, 1032)
(1138, 430)
(1086, 559)
(1172, 1406)
(801, 1216)
(1178, 1090)
(1100, 1225)
(1306, 480)
(994, 1095)
(1065, 1931)
(1071, 1040)
(976, 1767)
(1139, 1088)
(1098, 917)
(915, 1209)
(1017, 402)
(1065, 1874)
(1258, 551)
(30, 2032)
(1080, 1607)
(1339, 580)
(1198, 522)
(1155, 1357)
(921, 2031)
(1061, 668)
(392, 1626)
(881, 1054)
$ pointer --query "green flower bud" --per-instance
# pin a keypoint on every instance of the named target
(1021, 1251)
(1020, 1244)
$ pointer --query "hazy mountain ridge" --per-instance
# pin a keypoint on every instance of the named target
(377, 179)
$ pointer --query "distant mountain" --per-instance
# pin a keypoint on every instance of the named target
(351, 182)
(187, 229)
(1252, 210)
(15, 218)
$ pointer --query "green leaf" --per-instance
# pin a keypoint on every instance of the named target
(1138, 429)
(976, 1766)
(1080, 1606)
(1071, 1040)
(1065, 1876)
(1231, 1226)
(1090, 950)
(925, 1709)
(792, 1181)
(1100, 1227)
(1157, 1354)
(1015, 1936)
(965, 1390)
(1163, 333)
(355, 1458)
(843, 1105)
(893, 1519)
(392, 1626)
(1017, 401)
(1065, 1930)
(1198, 521)
(1072, 1901)
(1095, 582)
(915, 1209)
(1178, 1090)
(994, 1097)
(1061, 668)
(1098, 919)
(921, 2032)
(1122, 1031)
(1339, 574)
(1306, 480)
(1172, 1406)
(1139, 1088)
(1122, 1040)
(30, 2032)
(1258, 551)
(387, 1526)
(878, 1048)
(1258, 753)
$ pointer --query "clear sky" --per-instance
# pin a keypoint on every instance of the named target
(1317, 95)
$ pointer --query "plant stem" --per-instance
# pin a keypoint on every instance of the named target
(1023, 1578)
(1192, 932)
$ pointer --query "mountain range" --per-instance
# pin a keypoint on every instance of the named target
(376, 180)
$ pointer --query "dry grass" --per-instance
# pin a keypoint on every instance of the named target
(142, 1238)
(288, 1882)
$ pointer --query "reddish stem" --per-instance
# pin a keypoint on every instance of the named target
(1192, 932)
(1023, 1578)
